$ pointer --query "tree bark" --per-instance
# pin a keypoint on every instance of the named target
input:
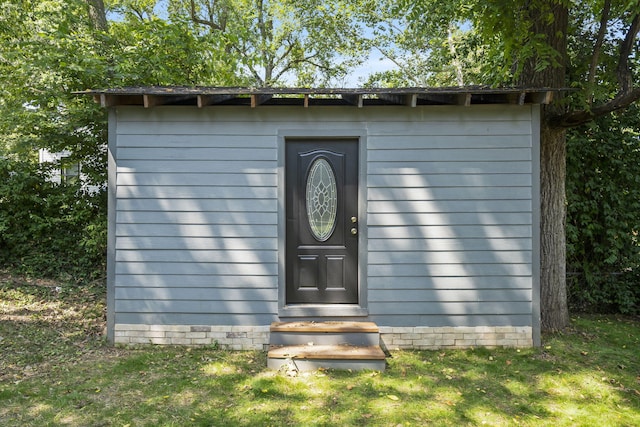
(97, 14)
(553, 284)
(553, 290)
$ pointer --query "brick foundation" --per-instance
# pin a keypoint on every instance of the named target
(257, 337)
(434, 338)
(231, 337)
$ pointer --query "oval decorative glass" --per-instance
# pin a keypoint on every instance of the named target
(322, 199)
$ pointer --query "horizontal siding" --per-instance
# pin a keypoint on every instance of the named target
(453, 244)
(448, 221)
(450, 180)
(199, 179)
(196, 223)
(196, 243)
(200, 268)
(197, 306)
(450, 217)
(466, 308)
(453, 218)
(465, 319)
(201, 141)
(191, 280)
(450, 257)
(449, 283)
(420, 207)
(196, 166)
(190, 153)
(197, 294)
(434, 142)
(188, 192)
(210, 318)
(197, 217)
(449, 155)
(195, 230)
(199, 205)
(453, 295)
(416, 166)
(450, 231)
(198, 256)
(450, 270)
(450, 193)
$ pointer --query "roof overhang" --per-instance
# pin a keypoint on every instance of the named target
(152, 96)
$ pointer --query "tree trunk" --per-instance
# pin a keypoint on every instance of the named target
(97, 14)
(553, 265)
(553, 281)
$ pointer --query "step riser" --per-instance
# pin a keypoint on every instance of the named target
(314, 364)
(304, 338)
(308, 346)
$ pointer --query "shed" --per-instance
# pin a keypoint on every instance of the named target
(233, 208)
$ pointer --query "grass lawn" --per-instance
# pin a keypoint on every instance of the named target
(55, 369)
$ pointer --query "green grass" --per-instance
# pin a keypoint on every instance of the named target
(55, 369)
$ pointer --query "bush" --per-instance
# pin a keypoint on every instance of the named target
(50, 230)
(603, 214)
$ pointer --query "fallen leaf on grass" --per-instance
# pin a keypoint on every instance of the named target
(392, 397)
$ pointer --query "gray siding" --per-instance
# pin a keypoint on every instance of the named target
(449, 213)
(196, 221)
(450, 221)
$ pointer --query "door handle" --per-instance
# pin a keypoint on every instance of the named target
(354, 231)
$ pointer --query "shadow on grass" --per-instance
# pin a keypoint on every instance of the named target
(56, 371)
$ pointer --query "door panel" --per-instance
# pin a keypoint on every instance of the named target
(322, 203)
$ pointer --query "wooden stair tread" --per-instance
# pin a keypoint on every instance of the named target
(334, 352)
(324, 327)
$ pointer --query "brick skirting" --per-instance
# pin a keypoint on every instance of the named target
(231, 337)
(434, 338)
(257, 337)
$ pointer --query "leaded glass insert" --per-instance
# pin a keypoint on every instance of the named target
(322, 199)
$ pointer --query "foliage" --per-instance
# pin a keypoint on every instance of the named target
(55, 370)
(603, 192)
(49, 49)
(48, 229)
(528, 42)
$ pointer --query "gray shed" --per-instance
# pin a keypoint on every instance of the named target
(233, 208)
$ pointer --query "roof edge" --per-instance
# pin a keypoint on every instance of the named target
(201, 96)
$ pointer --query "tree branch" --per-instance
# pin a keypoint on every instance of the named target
(577, 118)
(209, 23)
(597, 48)
(625, 77)
(626, 94)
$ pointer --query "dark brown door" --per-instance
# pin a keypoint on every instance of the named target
(322, 221)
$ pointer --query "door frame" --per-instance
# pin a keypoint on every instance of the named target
(323, 310)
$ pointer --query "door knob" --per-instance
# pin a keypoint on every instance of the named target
(354, 231)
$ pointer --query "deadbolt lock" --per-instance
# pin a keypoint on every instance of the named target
(354, 219)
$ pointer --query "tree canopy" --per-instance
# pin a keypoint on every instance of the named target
(51, 48)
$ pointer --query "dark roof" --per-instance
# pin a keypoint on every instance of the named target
(151, 96)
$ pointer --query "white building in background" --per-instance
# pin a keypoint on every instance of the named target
(62, 173)
(65, 171)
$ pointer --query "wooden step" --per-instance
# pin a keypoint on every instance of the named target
(311, 357)
(325, 333)
(324, 327)
(305, 345)
(346, 352)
